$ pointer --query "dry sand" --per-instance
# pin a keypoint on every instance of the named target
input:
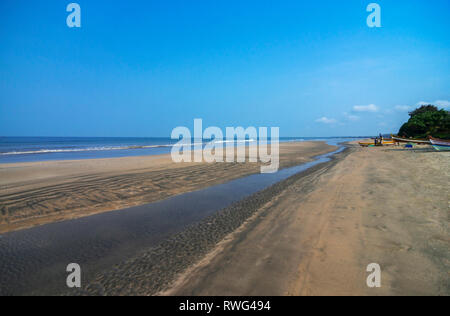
(316, 237)
(311, 234)
(42, 192)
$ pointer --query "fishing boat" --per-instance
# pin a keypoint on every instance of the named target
(398, 139)
(440, 144)
(383, 143)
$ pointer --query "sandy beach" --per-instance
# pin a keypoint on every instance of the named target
(313, 233)
(43, 192)
(380, 205)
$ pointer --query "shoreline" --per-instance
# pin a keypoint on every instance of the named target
(35, 194)
(74, 151)
(115, 236)
(311, 234)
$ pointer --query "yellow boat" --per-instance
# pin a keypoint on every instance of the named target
(383, 143)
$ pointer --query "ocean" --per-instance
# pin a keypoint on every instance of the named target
(28, 149)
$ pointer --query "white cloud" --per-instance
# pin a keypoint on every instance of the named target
(326, 120)
(403, 108)
(366, 108)
(442, 103)
(351, 117)
(439, 103)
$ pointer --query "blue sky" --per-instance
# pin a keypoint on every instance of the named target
(141, 68)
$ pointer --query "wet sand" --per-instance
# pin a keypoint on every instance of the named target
(43, 192)
(311, 234)
(318, 234)
(34, 260)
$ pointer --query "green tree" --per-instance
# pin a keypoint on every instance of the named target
(423, 109)
(426, 121)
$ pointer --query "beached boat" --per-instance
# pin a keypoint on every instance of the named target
(407, 140)
(384, 143)
(440, 144)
